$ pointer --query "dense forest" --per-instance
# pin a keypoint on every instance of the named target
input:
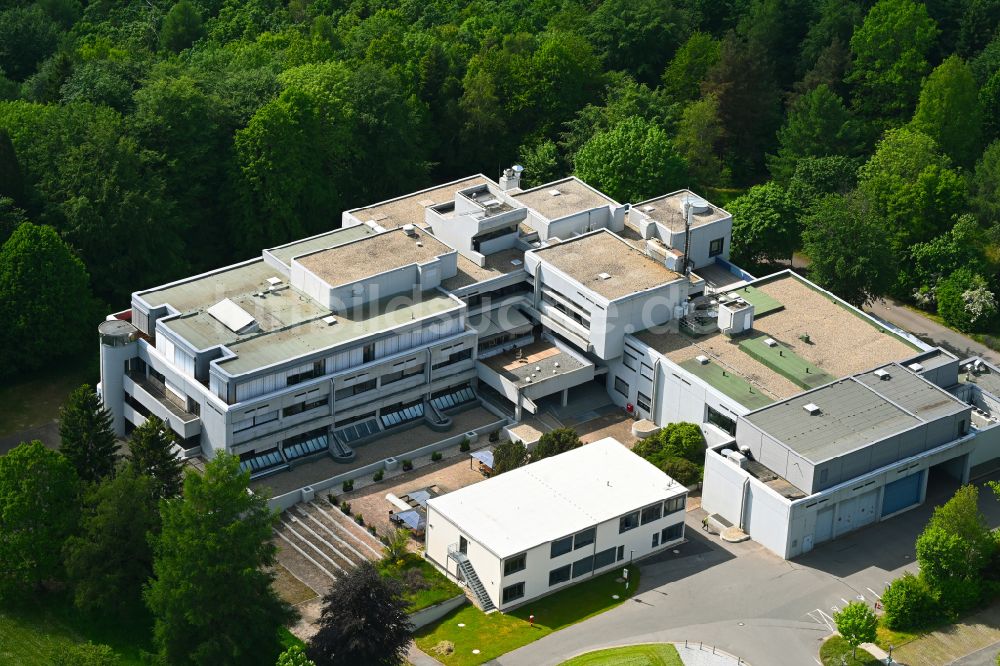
(143, 140)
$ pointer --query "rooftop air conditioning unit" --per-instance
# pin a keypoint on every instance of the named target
(409, 230)
(883, 374)
(329, 320)
(702, 359)
(812, 408)
(648, 209)
(274, 281)
(916, 367)
(771, 342)
(554, 193)
(604, 276)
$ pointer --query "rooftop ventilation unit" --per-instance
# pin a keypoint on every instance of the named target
(701, 358)
(409, 230)
(419, 244)
(648, 209)
(604, 276)
(329, 320)
(516, 262)
(556, 364)
(274, 281)
(554, 193)
(811, 408)
(771, 342)
(916, 367)
(883, 374)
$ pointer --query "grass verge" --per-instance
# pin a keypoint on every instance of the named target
(33, 401)
(498, 633)
(424, 585)
(32, 633)
(837, 652)
(652, 654)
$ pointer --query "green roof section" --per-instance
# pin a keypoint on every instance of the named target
(728, 382)
(785, 362)
(761, 302)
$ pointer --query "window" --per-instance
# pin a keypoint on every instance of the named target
(255, 418)
(604, 558)
(651, 513)
(629, 522)
(514, 564)
(656, 539)
(643, 401)
(305, 406)
(315, 371)
(561, 547)
(631, 362)
(621, 386)
(715, 247)
(674, 505)
(560, 575)
(620, 555)
(457, 357)
(721, 421)
(368, 353)
(672, 533)
(584, 566)
(646, 371)
(584, 538)
(512, 592)
(360, 387)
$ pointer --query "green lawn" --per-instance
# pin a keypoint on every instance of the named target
(31, 634)
(34, 400)
(497, 633)
(438, 589)
(653, 654)
(836, 652)
(729, 383)
(785, 362)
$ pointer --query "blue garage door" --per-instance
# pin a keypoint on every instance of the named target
(902, 493)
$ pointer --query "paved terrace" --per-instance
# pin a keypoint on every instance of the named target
(395, 444)
(497, 264)
(409, 209)
(841, 341)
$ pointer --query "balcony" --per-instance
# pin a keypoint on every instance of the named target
(153, 396)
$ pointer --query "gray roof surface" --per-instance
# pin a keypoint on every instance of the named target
(668, 210)
(914, 394)
(497, 264)
(584, 259)
(542, 359)
(851, 416)
(409, 209)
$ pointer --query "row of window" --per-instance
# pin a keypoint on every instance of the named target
(650, 513)
(572, 542)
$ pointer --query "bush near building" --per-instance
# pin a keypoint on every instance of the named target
(678, 450)
(909, 604)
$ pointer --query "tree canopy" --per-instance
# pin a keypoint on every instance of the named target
(87, 436)
(151, 454)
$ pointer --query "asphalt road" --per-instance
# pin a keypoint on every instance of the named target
(930, 331)
(747, 601)
(985, 657)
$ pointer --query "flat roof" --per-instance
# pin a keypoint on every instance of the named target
(933, 359)
(373, 255)
(668, 210)
(202, 291)
(586, 257)
(854, 412)
(563, 197)
(255, 352)
(842, 341)
(497, 264)
(284, 253)
(851, 416)
(533, 364)
(409, 209)
(555, 497)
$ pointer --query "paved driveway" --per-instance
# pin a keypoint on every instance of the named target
(745, 600)
(985, 657)
(930, 331)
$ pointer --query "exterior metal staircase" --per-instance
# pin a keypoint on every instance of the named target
(472, 579)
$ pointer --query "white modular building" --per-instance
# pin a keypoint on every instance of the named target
(554, 523)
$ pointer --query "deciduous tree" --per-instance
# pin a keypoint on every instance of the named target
(687, 69)
(765, 227)
(555, 442)
(857, 623)
(211, 594)
(508, 455)
(87, 436)
(38, 511)
(364, 621)
(818, 125)
(949, 111)
(699, 131)
(181, 27)
(985, 187)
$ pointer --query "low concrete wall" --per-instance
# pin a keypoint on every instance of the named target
(290, 499)
(434, 613)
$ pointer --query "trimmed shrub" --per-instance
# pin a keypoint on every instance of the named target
(407, 465)
(348, 485)
(436, 456)
(909, 604)
(346, 507)
(464, 445)
(331, 498)
(680, 470)
(359, 519)
(378, 475)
